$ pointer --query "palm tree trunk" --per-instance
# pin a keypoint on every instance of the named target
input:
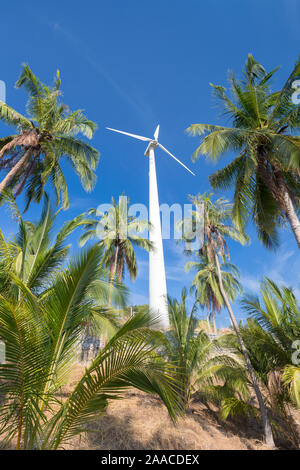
(112, 275)
(265, 420)
(120, 269)
(281, 194)
(287, 206)
(291, 215)
(208, 323)
(289, 420)
(16, 169)
(214, 321)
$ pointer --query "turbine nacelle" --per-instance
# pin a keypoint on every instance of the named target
(152, 143)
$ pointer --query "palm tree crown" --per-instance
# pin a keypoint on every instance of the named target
(213, 220)
(119, 233)
(206, 285)
(197, 358)
(265, 174)
(33, 156)
(33, 254)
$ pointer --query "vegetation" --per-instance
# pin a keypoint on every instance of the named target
(44, 307)
(217, 226)
(46, 136)
(118, 233)
(271, 337)
(200, 362)
(265, 174)
(206, 286)
(53, 293)
(41, 336)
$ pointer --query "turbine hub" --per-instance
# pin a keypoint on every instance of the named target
(152, 144)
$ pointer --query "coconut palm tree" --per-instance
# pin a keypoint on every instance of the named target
(208, 217)
(206, 285)
(270, 337)
(216, 221)
(41, 335)
(119, 233)
(35, 255)
(199, 361)
(265, 174)
(33, 155)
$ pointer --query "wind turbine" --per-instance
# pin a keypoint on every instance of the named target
(157, 277)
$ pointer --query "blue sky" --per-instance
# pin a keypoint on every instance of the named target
(131, 64)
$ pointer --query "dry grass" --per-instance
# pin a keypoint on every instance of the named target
(140, 421)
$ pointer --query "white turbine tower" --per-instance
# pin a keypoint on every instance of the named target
(157, 276)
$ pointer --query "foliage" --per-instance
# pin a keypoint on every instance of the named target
(265, 173)
(212, 223)
(206, 285)
(44, 138)
(217, 226)
(200, 362)
(119, 233)
(35, 256)
(41, 336)
(270, 336)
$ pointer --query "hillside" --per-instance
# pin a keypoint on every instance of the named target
(140, 421)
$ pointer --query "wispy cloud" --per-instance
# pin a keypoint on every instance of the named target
(82, 203)
(284, 269)
(175, 273)
(176, 262)
(292, 14)
(99, 68)
(138, 299)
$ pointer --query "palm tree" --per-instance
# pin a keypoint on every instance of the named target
(217, 225)
(119, 234)
(199, 361)
(208, 217)
(265, 174)
(35, 256)
(33, 156)
(206, 285)
(270, 336)
(41, 335)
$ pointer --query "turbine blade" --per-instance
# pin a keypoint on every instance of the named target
(156, 133)
(182, 164)
(139, 137)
